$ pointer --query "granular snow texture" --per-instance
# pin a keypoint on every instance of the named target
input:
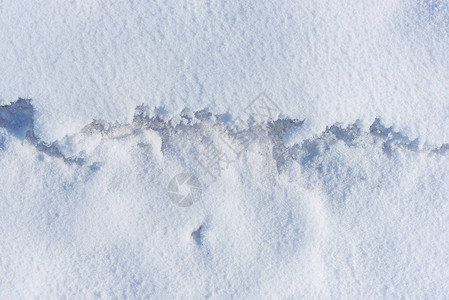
(224, 150)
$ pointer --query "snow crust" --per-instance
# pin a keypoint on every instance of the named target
(323, 61)
(342, 192)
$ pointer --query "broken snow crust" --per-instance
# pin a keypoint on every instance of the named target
(351, 213)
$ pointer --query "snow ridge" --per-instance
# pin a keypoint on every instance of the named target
(18, 119)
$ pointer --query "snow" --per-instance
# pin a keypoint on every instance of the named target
(322, 61)
(338, 191)
(351, 213)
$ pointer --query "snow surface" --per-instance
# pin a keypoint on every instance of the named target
(323, 61)
(349, 214)
(341, 193)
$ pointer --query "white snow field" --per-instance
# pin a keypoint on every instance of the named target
(324, 61)
(224, 149)
(349, 214)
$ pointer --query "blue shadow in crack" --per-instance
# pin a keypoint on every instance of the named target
(18, 118)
